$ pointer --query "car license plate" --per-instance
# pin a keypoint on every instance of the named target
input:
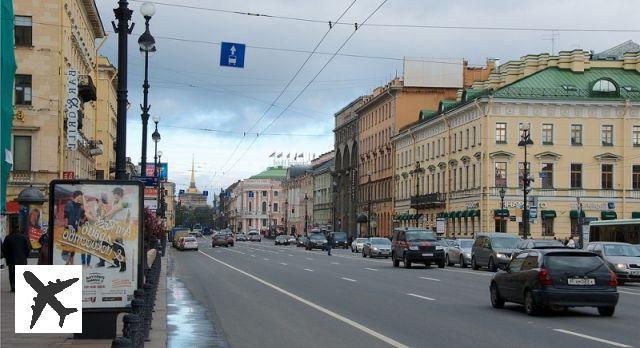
(427, 254)
(635, 272)
(581, 281)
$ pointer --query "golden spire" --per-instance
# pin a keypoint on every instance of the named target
(192, 186)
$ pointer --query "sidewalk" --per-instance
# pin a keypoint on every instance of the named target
(8, 338)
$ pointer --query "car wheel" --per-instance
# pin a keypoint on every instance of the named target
(496, 299)
(474, 265)
(449, 263)
(396, 262)
(363, 254)
(462, 264)
(405, 262)
(492, 266)
(441, 264)
(530, 306)
(386, 257)
(606, 311)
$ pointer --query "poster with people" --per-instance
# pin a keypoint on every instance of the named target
(98, 225)
(35, 227)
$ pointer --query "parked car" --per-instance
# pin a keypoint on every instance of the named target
(188, 243)
(556, 279)
(197, 232)
(177, 235)
(411, 244)
(207, 231)
(282, 240)
(492, 250)
(459, 253)
(538, 243)
(622, 258)
(377, 247)
(316, 241)
(339, 239)
(357, 245)
(221, 239)
(292, 239)
(254, 236)
(301, 241)
(241, 237)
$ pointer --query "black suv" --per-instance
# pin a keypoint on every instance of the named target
(556, 279)
(416, 245)
(339, 240)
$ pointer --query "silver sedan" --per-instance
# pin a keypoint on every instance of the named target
(459, 252)
(377, 247)
(357, 244)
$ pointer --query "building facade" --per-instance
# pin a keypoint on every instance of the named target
(346, 167)
(463, 163)
(324, 191)
(56, 57)
(192, 197)
(258, 203)
(106, 120)
(298, 187)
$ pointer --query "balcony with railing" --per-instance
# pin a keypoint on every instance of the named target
(429, 200)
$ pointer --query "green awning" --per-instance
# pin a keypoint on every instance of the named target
(501, 213)
(451, 214)
(417, 216)
(465, 213)
(548, 214)
(401, 217)
(477, 213)
(608, 215)
(635, 215)
(573, 214)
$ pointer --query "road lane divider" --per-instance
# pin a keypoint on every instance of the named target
(335, 263)
(629, 293)
(370, 269)
(427, 278)
(422, 297)
(234, 251)
(308, 270)
(592, 338)
(349, 279)
(283, 263)
(313, 305)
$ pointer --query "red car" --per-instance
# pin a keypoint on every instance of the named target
(222, 239)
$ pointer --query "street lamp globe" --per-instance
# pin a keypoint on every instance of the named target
(156, 118)
(155, 136)
(147, 9)
(159, 152)
(525, 126)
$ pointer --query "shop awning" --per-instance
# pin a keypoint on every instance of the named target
(401, 217)
(476, 213)
(452, 214)
(635, 215)
(608, 215)
(501, 213)
(574, 214)
(465, 213)
(548, 214)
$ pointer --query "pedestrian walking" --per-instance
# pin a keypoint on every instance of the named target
(15, 249)
(565, 241)
(571, 243)
(329, 243)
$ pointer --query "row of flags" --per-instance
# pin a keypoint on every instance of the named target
(295, 156)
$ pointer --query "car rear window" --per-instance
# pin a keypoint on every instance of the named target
(189, 239)
(572, 262)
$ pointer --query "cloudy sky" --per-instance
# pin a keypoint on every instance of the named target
(214, 112)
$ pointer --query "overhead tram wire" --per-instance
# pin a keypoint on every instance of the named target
(389, 25)
(287, 85)
(308, 84)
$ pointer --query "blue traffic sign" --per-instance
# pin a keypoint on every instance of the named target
(181, 192)
(232, 54)
(148, 181)
(205, 193)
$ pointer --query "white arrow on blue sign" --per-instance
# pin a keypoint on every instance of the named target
(232, 54)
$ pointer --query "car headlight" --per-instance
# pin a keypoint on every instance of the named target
(467, 254)
(501, 256)
(621, 266)
(414, 247)
(439, 247)
(375, 249)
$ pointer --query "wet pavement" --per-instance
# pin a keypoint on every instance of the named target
(188, 323)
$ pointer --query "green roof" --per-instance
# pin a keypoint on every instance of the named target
(276, 173)
(424, 114)
(555, 83)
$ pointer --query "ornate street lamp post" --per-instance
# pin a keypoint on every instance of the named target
(525, 139)
(502, 223)
(306, 199)
(147, 44)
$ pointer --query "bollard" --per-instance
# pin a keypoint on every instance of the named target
(148, 305)
(121, 342)
(137, 304)
(131, 330)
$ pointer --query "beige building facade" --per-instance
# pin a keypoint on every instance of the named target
(106, 119)
(584, 120)
(298, 187)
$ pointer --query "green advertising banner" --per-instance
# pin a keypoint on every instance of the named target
(7, 74)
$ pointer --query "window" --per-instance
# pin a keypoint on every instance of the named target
(547, 176)
(275, 207)
(576, 134)
(454, 178)
(438, 153)
(460, 178)
(635, 177)
(22, 153)
(607, 135)
(547, 134)
(501, 174)
(23, 30)
(466, 144)
(636, 135)
(473, 180)
(521, 173)
(466, 169)
(264, 222)
(264, 193)
(275, 193)
(604, 86)
(576, 175)
(460, 143)
(455, 142)
(249, 206)
(501, 133)
(607, 176)
(23, 89)
(474, 136)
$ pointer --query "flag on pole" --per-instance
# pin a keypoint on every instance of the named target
(279, 155)
(273, 154)
(314, 155)
(289, 155)
(301, 155)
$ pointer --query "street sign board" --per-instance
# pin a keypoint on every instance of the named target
(148, 181)
(180, 192)
(232, 54)
(611, 205)
(68, 175)
(205, 193)
(441, 225)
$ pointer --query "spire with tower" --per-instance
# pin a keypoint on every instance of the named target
(192, 186)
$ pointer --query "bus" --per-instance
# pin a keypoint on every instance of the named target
(623, 230)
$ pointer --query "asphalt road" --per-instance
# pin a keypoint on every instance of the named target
(261, 295)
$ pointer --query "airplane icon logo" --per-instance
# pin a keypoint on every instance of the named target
(49, 299)
(47, 296)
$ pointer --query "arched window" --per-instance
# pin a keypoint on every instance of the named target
(264, 207)
(604, 87)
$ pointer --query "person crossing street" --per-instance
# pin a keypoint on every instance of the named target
(329, 243)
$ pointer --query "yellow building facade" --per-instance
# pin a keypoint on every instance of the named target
(106, 119)
(584, 119)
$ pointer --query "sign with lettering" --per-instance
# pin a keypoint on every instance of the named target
(473, 205)
(68, 175)
(72, 105)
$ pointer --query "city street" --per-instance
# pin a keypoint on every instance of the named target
(274, 296)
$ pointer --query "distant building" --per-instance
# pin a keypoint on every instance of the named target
(324, 191)
(193, 198)
(298, 187)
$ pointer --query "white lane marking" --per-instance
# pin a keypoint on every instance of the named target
(592, 338)
(253, 256)
(308, 270)
(349, 279)
(266, 259)
(235, 251)
(427, 278)
(289, 254)
(422, 297)
(282, 263)
(370, 269)
(335, 263)
(326, 311)
(310, 259)
(630, 293)
(469, 272)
